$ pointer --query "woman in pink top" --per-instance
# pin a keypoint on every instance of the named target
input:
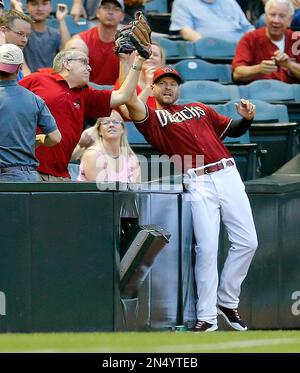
(110, 158)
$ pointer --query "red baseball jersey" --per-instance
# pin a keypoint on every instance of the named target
(69, 106)
(102, 58)
(189, 131)
(255, 46)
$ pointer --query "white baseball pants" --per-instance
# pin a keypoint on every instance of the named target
(220, 194)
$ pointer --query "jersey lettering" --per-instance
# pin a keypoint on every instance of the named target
(189, 112)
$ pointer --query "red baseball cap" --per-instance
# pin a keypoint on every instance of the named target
(166, 70)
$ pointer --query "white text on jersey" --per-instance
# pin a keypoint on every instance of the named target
(189, 112)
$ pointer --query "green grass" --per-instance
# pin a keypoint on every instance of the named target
(156, 342)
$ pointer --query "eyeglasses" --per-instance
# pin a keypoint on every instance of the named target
(20, 34)
(115, 122)
(108, 8)
(84, 61)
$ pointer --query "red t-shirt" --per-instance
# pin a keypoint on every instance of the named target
(255, 46)
(69, 106)
(102, 57)
(187, 130)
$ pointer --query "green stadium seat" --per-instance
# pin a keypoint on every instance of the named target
(208, 92)
(214, 50)
(197, 69)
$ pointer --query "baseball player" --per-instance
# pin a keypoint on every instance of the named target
(195, 131)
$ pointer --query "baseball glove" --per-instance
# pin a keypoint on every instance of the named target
(134, 36)
(141, 35)
(123, 44)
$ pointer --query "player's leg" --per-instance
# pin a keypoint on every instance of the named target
(237, 217)
(206, 221)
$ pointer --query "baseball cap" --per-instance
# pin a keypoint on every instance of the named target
(119, 2)
(166, 70)
(11, 57)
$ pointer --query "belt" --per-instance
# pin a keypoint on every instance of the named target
(215, 167)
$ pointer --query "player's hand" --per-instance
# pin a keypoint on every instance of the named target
(246, 109)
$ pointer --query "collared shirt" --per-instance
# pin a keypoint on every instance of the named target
(69, 106)
(256, 46)
(220, 19)
(21, 112)
(189, 131)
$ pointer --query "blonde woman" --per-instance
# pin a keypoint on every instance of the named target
(109, 158)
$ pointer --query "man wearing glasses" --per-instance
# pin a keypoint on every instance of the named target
(100, 42)
(16, 28)
(70, 101)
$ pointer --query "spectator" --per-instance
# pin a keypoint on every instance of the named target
(295, 24)
(110, 158)
(89, 8)
(270, 52)
(70, 101)
(100, 42)
(15, 29)
(196, 19)
(77, 44)
(44, 42)
(21, 112)
(1, 7)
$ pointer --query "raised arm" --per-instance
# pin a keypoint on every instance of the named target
(130, 38)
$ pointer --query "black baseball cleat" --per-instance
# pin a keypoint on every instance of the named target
(232, 318)
(203, 326)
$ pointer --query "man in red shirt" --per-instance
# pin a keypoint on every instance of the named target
(70, 101)
(192, 134)
(271, 52)
(100, 42)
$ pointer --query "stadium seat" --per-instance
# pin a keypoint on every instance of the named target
(76, 27)
(275, 91)
(176, 50)
(208, 92)
(269, 90)
(197, 69)
(265, 112)
(133, 134)
(214, 49)
(159, 6)
(275, 136)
